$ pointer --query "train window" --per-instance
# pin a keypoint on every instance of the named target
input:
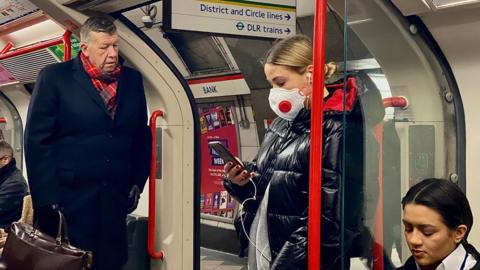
(11, 129)
(200, 52)
(402, 131)
(248, 58)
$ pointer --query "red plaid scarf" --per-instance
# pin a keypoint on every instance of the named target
(106, 84)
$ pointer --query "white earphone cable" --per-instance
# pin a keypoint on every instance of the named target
(253, 198)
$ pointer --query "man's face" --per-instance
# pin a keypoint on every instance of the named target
(102, 50)
(4, 160)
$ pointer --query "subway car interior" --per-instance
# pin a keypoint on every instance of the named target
(418, 58)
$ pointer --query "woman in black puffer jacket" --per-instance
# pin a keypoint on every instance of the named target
(273, 188)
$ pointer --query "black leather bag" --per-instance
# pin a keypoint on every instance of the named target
(27, 248)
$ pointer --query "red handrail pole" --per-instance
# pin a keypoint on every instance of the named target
(65, 39)
(7, 48)
(152, 191)
(397, 102)
(35, 47)
(378, 248)
(67, 45)
(315, 184)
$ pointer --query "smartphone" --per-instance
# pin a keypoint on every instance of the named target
(223, 152)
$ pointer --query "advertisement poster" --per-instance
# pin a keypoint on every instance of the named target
(217, 124)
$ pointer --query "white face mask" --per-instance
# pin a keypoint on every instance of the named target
(286, 103)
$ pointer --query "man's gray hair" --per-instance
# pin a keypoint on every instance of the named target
(101, 24)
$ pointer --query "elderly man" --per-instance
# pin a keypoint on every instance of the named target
(87, 145)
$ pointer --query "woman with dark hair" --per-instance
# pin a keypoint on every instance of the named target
(437, 219)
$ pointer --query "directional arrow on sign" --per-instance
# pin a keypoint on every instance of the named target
(288, 17)
(288, 31)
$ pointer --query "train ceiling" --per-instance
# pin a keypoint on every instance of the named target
(415, 7)
(21, 25)
(18, 14)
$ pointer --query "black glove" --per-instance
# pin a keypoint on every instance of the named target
(134, 197)
(47, 218)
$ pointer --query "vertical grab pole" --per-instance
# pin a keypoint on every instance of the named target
(378, 233)
(152, 190)
(378, 253)
(67, 45)
(315, 184)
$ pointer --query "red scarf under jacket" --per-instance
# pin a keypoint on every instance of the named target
(106, 84)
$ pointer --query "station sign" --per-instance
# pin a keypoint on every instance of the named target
(59, 50)
(259, 18)
(219, 86)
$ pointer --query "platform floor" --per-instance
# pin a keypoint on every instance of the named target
(216, 260)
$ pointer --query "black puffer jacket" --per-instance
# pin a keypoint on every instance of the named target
(283, 161)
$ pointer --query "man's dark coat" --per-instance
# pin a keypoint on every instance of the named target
(81, 158)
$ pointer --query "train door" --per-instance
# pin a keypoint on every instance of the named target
(166, 92)
(421, 137)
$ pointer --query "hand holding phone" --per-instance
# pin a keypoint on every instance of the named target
(234, 169)
(223, 153)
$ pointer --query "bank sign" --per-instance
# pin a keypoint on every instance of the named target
(260, 18)
(219, 86)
